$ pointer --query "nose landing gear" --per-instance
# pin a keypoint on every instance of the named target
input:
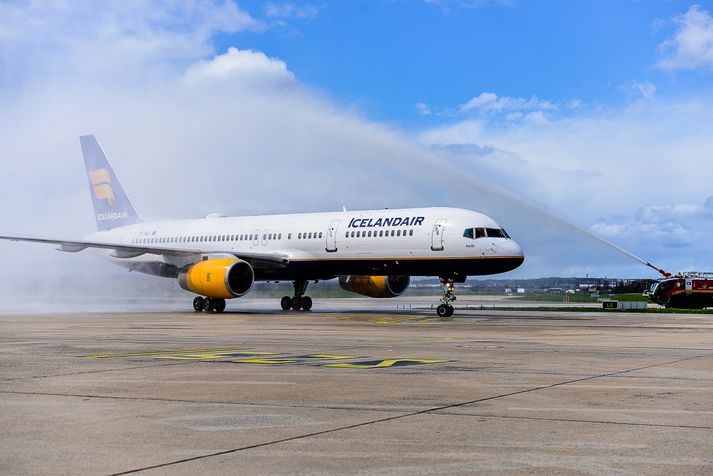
(208, 304)
(299, 301)
(445, 309)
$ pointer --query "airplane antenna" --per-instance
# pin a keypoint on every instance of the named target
(344, 209)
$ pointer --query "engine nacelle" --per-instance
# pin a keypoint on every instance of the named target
(218, 278)
(375, 286)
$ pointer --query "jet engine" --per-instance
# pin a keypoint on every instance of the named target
(375, 286)
(218, 278)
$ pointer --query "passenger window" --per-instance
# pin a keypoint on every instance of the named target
(480, 233)
(410, 233)
(358, 234)
(299, 236)
(279, 236)
(398, 232)
(289, 236)
(320, 234)
(393, 232)
(369, 235)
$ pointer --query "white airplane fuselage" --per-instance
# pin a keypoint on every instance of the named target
(415, 242)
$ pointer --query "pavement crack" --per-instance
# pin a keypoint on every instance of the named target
(576, 420)
(85, 372)
(399, 417)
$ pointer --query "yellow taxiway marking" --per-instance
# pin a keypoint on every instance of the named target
(373, 364)
(163, 352)
(295, 359)
(212, 355)
(384, 319)
(265, 361)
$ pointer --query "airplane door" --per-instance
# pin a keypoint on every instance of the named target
(689, 286)
(437, 234)
(256, 238)
(331, 245)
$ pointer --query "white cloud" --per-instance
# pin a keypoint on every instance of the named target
(491, 102)
(291, 11)
(590, 163)
(639, 90)
(691, 46)
(423, 109)
(244, 66)
(121, 39)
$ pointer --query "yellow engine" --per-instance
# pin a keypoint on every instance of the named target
(375, 286)
(218, 278)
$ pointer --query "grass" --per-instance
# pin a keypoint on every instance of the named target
(581, 298)
(599, 309)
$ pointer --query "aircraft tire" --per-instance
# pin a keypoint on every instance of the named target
(442, 311)
(208, 306)
(198, 304)
(286, 303)
(306, 303)
(296, 303)
(219, 305)
(450, 311)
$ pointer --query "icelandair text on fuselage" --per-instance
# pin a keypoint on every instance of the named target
(112, 216)
(397, 221)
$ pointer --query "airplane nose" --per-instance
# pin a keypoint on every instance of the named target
(511, 248)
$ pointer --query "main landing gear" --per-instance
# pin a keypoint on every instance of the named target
(445, 309)
(299, 301)
(208, 304)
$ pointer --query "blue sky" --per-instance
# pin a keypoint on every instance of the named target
(598, 111)
(390, 55)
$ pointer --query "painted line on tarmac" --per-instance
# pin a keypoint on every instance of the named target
(297, 359)
(385, 319)
(376, 364)
(213, 355)
(161, 352)
(237, 356)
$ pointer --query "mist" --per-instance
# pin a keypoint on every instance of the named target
(192, 131)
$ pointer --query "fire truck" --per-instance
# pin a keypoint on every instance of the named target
(690, 290)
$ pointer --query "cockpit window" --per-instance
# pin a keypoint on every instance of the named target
(495, 233)
(475, 233)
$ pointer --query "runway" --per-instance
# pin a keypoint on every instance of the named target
(366, 390)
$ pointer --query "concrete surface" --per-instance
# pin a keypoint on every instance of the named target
(357, 392)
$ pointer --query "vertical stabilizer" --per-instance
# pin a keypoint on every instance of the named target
(112, 206)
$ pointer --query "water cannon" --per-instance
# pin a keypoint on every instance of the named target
(665, 274)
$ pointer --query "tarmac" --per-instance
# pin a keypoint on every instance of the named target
(354, 387)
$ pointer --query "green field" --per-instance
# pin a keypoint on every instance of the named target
(599, 309)
(580, 298)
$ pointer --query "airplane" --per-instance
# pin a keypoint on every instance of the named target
(372, 252)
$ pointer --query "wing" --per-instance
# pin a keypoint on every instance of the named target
(120, 250)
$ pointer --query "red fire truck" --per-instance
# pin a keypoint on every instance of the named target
(690, 290)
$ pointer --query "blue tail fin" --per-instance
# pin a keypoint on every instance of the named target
(112, 206)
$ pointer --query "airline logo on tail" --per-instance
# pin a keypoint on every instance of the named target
(101, 185)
